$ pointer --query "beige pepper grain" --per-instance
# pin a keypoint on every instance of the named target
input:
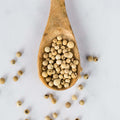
(15, 78)
(19, 103)
(82, 102)
(95, 59)
(20, 72)
(55, 115)
(59, 37)
(26, 111)
(2, 80)
(13, 61)
(74, 97)
(70, 44)
(86, 76)
(90, 58)
(47, 118)
(18, 54)
(80, 87)
(67, 104)
(46, 96)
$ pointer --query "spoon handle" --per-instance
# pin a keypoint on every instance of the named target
(58, 16)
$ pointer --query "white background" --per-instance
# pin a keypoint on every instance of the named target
(96, 25)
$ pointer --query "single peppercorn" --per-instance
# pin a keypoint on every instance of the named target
(95, 59)
(86, 76)
(15, 78)
(77, 119)
(82, 102)
(13, 61)
(19, 103)
(74, 97)
(2, 80)
(67, 104)
(54, 115)
(20, 72)
(26, 111)
(46, 96)
(80, 87)
(89, 58)
(18, 54)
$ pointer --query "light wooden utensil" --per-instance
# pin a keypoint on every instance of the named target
(58, 24)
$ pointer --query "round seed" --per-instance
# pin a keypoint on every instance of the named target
(19, 103)
(50, 84)
(95, 59)
(89, 58)
(68, 105)
(64, 42)
(47, 118)
(26, 111)
(13, 62)
(18, 54)
(54, 115)
(46, 96)
(45, 63)
(80, 87)
(20, 72)
(57, 82)
(82, 102)
(86, 76)
(55, 40)
(45, 55)
(44, 74)
(74, 97)
(59, 37)
(47, 49)
(48, 79)
(70, 44)
(15, 78)
(77, 119)
(53, 100)
(2, 80)
(66, 85)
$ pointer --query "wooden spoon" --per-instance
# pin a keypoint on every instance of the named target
(58, 24)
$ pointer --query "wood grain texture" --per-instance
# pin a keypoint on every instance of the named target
(58, 24)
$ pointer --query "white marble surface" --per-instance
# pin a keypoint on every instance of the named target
(96, 25)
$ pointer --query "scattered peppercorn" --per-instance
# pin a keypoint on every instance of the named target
(90, 58)
(80, 87)
(74, 97)
(82, 102)
(86, 76)
(26, 111)
(19, 103)
(15, 78)
(67, 104)
(18, 54)
(77, 119)
(13, 61)
(20, 72)
(46, 96)
(48, 118)
(95, 59)
(54, 115)
(2, 80)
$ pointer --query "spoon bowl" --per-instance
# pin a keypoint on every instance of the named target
(58, 24)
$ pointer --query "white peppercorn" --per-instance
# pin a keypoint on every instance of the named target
(47, 49)
(70, 44)
(44, 74)
(50, 84)
(59, 37)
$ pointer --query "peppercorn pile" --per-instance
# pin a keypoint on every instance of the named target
(59, 66)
